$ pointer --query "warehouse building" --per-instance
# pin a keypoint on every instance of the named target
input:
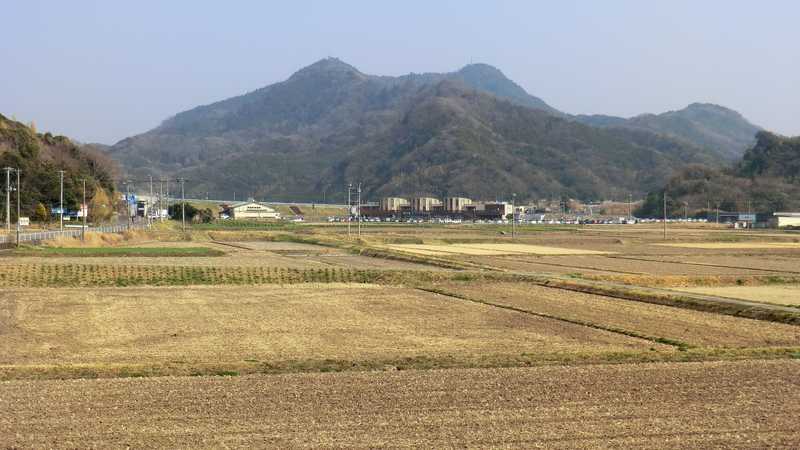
(393, 204)
(251, 209)
(787, 219)
(424, 204)
(456, 204)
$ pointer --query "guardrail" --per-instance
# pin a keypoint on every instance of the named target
(49, 235)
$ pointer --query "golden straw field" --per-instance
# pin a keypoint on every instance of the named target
(775, 294)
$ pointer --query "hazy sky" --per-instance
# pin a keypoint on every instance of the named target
(104, 70)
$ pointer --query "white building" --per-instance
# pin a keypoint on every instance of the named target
(787, 219)
(252, 210)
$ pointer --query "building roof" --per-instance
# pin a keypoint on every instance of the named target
(251, 202)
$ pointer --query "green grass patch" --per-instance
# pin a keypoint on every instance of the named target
(119, 251)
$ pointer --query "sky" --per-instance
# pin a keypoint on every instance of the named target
(100, 71)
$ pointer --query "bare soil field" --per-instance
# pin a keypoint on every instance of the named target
(296, 247)
(774, 294)
(490, 249)
(736, 245)
(275, 324)
(744, 404)
(532, 265)
(693, 328)
(764, 261)
(611, 264)
(368, 263)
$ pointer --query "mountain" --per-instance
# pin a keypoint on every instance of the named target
(39, 157)
(484, 77)
(766, 179)
(471, 132)
(713, 127)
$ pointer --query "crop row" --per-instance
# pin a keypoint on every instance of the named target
(57, 275)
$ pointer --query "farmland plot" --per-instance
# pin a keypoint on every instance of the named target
(750, 404)
(735, 245)
(633, 266)
(490, 249)
(772, 293)
(692, 327)
(275, 324)
(764, 261)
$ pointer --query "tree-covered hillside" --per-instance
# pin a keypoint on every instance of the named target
(713, 127)
(767, 179)
(39, 157)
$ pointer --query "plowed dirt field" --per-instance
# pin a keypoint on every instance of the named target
(746, 404)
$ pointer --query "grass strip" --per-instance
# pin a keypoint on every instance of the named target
(149, 252)
(269, 367)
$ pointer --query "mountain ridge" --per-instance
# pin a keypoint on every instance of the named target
(310, 130)
(703, 124)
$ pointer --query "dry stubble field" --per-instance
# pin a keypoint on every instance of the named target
(370, 331)
(246, 328)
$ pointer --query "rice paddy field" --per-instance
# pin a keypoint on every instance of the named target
(775, 294)
(406, 336)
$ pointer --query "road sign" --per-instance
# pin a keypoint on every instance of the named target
(24, 221)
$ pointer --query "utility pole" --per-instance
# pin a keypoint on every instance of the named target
(513, 215)
(85, 208)
(8, 199)
(183, 207)
(358, 210)
(61, 201)
(717, 213)
(349, 208)
(665, 215)
(150, 201)
(160, 199)
(128, 202)
(630, 207)
(18, 195)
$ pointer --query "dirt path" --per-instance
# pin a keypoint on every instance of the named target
(690, 405)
